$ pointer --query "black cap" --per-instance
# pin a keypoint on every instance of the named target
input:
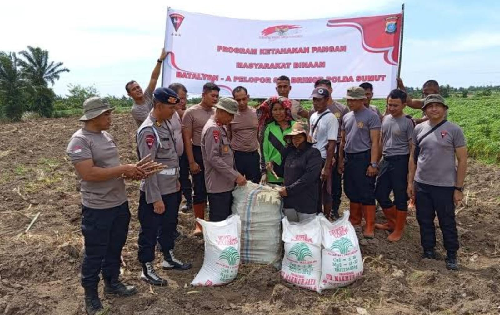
(320, 93)
(166, 96)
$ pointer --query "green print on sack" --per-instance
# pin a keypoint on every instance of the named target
(301, 251)
(342, 245)
(231, 255)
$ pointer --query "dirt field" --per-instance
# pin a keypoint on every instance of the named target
(39, 270)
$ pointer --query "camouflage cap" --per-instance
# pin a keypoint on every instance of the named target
(93, 107)
(227, 104)
(355, 93)
(434, 98)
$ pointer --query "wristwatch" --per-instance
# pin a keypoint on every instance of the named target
(374, 164)
(460, 189)
(159, 61)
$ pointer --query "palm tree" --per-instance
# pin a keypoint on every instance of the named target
(38, 71)
(12, 87)
(37, 68)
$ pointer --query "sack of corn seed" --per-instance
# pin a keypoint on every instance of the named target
(342, 263)
(222, 252)
(302, 261)
(259, 208)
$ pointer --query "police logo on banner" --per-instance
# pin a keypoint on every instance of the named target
(391, 24)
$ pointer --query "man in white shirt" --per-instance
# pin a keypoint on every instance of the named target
(324, 128)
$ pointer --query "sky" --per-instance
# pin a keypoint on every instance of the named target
(106, 43)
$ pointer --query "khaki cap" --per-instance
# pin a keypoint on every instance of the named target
(355, 93)
(93, 107)
(227, 104)
(434, 98)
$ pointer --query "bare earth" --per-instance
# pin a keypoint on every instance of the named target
(39, 270)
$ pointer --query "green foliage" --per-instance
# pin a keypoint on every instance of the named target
(479, 118)
(486, 92)
(24, 83)
(12, 87)
(37, 69)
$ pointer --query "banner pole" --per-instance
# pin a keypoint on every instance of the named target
(165, 48)
(401, 39)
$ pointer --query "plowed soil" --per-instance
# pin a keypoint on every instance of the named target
(39, 269)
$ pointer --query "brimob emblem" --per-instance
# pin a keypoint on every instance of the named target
(391, 24)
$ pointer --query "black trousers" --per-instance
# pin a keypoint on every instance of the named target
(186, 186)
(336, 183)
(248, 164)
(157, 227)
(220, 205)
(104, 232)
(393, 176)
(430, 200)
(359, 187)
(199, 188)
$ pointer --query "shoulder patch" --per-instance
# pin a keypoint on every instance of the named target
(216, 135)
(150, 140)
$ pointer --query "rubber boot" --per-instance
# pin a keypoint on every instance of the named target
(369, 214)
(113, 286)
(390, 215)
(199, 213)
(355, 213)
(400, 225)
(93, 304)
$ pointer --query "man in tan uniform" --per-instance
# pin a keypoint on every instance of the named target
(143, 101)
(193, 121)
(218, 158)
(243, 136)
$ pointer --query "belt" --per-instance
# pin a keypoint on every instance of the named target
(170, 171)
(397, 157)
(357, 154)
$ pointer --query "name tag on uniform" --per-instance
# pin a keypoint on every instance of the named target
(169, 171)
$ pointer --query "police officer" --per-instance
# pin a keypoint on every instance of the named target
(397, 132)
(360, 142)
(436, 180)
(105, 211)
(218, 158)
(160, 195)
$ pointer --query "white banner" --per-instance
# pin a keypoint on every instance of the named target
(232, 52)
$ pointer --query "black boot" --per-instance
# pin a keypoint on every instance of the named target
(113, 286)
(170, 262)
(451, 261)
(149, 275)
(93, 304)
(429, 254)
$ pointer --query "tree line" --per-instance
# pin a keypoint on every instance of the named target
(27, 78)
